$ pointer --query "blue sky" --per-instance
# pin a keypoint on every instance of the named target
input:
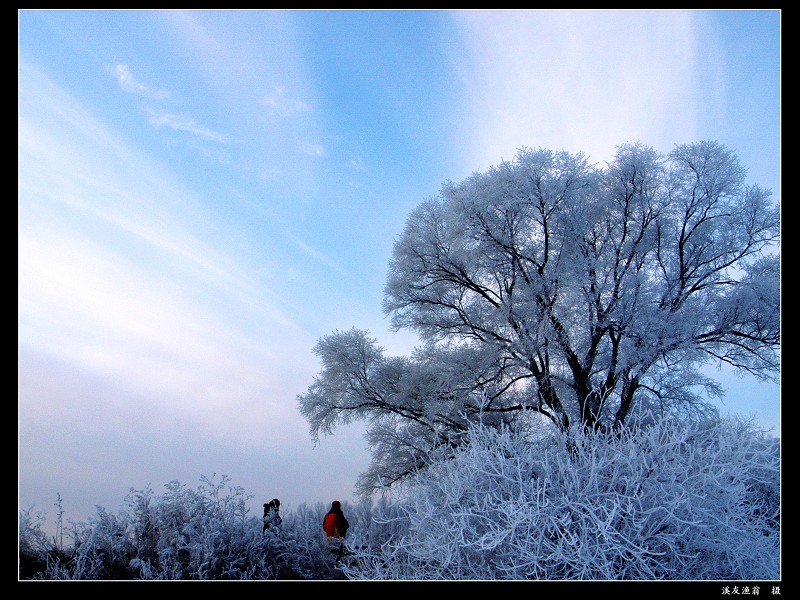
(204, 194)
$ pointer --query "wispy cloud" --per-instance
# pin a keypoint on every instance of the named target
(319, 256)
(129, 84)
(275, 135)
(91, 306)
(117, 277)
(311, 148)
(285, 110)
(280, 104)
(578, 80)
(186, 124)
(162, 118)
(357, 164)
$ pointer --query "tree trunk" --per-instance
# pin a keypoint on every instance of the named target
(629, 387)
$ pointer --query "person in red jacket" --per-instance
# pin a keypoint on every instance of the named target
(335, 524)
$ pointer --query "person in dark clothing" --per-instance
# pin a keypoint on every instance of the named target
(272, 515)
(335, 524)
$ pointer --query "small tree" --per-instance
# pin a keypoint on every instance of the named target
(550, 286)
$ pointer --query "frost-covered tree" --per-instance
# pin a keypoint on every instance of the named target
(549, 286)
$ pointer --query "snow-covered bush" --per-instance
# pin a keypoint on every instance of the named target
(666, 500)
(669, 500)
(34, 545)
(203, 533)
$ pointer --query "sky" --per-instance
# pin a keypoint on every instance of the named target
(202, 195)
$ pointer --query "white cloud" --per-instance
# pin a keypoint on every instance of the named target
(257, 66)
(280, 104)
(160, 118)
(187, 124)
(357, 164)
(129, 84)
(319, 256)
(579, 80)
(117, 279)
(311, 148)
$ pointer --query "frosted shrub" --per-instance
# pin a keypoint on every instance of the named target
(32, 540)
(203, 533)
(666, 501)
(297, 550)
(208, 534)
(33, 543)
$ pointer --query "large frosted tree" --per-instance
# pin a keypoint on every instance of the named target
(550, 286)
